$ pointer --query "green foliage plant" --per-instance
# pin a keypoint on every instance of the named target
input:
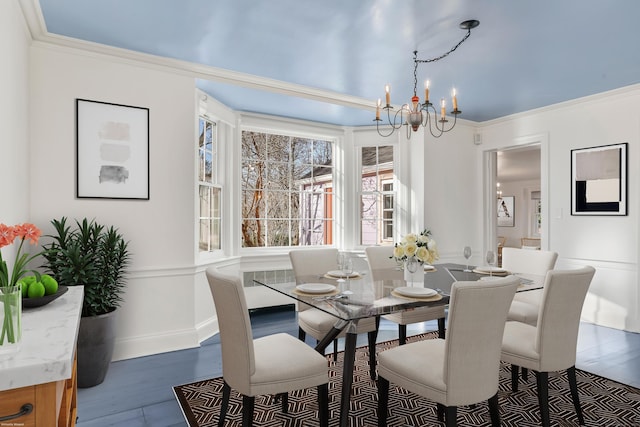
(92, 255)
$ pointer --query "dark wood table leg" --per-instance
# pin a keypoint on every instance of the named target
(347, 377)
(331, 335)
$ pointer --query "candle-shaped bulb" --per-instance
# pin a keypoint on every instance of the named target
(454, 99)
(387, 90)
(378, 110)
(443, 105)
(427, 84)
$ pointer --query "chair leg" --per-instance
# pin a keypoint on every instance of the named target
(284, 400)
(302, 335)
(494, 410)
(440, 409)
(441, 328)
(402, 334)
(525, 374)
(373, 336)
(573, 385)
(514, 377)
(542, 379)
(323, 404)
(248, 403)
(226, 392)
(451, 419)
(383, 401)
(335, 351)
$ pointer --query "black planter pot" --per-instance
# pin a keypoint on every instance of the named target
(96, 340)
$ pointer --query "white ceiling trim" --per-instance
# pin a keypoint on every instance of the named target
(35, 22)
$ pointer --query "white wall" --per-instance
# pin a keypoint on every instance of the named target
(157, 314)
(14, 117)
(608, 243)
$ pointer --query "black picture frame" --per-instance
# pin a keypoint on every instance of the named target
(599, 180)
(112, 151)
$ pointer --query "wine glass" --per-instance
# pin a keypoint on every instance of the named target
(491, 260)
(340, 260)
(467, 255)
(347, 268)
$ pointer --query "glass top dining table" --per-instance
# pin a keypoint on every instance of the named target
(359, 296)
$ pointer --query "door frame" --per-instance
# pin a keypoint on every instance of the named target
(489, 180)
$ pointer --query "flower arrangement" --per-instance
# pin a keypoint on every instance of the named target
(8, 234)
(9, 291)
(419, 247)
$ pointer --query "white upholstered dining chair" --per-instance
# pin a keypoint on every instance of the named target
(310, 266)
(274, 364)
(526, 304)
(463, 368)
(383, 267)
(550, 345)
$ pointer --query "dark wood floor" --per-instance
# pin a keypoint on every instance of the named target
(138, 392)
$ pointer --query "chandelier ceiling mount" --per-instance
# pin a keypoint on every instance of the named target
(416, 114)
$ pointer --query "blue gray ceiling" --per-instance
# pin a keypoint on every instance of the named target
(524, 54)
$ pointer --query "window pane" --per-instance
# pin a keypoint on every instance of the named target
(209, 236)
(253, 232)
(322, 153)
(254, 146)
(278, 233)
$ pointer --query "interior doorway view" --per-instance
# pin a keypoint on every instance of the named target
(518, 197)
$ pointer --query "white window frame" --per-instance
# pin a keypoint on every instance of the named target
(294, 128)
(211, 187)
(396, 189)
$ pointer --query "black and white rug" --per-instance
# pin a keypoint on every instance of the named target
(605, 403)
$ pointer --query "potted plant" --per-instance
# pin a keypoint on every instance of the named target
(96, 257)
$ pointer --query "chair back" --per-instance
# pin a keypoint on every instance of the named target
(382, 266)
(559, 317)
(477, 315)
(236, 338)
(309, 265)
(523, 261)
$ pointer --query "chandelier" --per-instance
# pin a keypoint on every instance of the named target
(416, 114)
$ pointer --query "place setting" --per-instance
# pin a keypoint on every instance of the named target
(316, 289)
(416, 293)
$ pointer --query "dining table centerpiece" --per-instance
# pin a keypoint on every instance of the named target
(413, 251)
(10, 283)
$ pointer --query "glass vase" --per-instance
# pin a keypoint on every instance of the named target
(10, 319)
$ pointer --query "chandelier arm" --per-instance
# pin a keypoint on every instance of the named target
(382, 134)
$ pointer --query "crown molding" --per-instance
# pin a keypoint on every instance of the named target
(37, 27)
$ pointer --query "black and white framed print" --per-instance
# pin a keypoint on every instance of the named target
(112, 151)
(506, 211)
(599, 180)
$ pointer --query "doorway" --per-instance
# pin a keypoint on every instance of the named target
(518, 196)
(521, 168)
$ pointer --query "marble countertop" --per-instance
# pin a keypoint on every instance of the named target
(49, 335)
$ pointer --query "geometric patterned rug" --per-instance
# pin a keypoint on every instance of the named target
(605, 403)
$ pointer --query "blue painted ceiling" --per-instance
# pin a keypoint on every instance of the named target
(524, 54)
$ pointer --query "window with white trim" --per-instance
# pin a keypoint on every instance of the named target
(377, 195)
(287, 190)
(209, 190)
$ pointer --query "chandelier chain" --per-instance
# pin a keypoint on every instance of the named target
(417, 61)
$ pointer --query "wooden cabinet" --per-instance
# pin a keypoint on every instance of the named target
(53, 404)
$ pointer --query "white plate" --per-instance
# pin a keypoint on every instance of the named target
(428, 267)
(415, 292)
(338, 273)
(315, 288)
(491, 268)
